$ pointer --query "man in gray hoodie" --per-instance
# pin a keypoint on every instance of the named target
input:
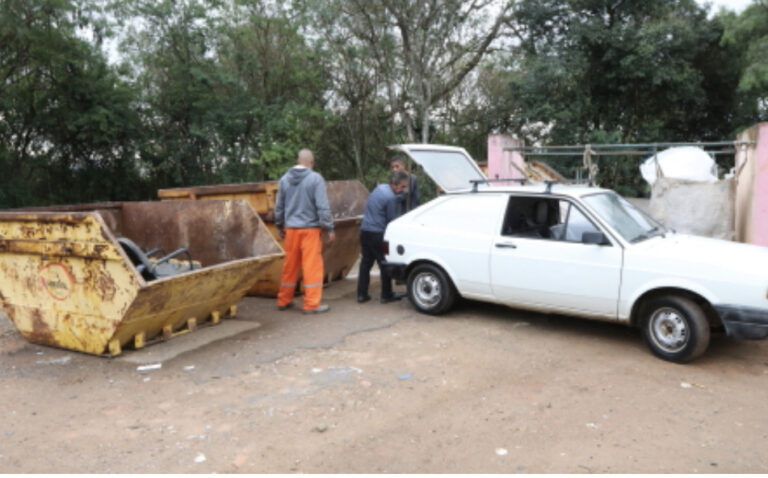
(301, 213)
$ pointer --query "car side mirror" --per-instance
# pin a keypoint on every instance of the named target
(597, 238)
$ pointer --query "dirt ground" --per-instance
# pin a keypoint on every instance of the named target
(380, 388)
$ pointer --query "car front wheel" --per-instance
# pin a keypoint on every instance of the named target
(675, 328)
(430, 290)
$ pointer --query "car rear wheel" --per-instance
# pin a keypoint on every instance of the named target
(430, 290)
(675, 328)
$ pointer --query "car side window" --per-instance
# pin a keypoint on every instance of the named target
(573, 224)
(577, 224)
(545, 218)
(531, 217)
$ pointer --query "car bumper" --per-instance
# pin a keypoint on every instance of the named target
(396, 270)
(744, 322)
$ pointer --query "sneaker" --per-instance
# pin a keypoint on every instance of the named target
(394, 298)
(320, 309)
(285, 307)
(363, 298)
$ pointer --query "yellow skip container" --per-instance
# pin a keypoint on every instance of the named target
(71, 277)
(347, 202)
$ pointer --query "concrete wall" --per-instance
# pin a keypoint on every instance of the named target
(501, 164)
(752, 186)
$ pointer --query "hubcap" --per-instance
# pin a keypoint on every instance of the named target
(669, 330)
(426, 290)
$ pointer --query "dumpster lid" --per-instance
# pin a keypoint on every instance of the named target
(450, 167)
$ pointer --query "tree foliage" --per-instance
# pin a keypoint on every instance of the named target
(634, 71)
(110, 100)
(66, 122)
(602, 71)
(746, 35)
(420, 50)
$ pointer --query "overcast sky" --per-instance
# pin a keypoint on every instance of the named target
(735, 5)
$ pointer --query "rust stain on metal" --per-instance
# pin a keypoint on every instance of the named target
(106, 286)
(40, 332)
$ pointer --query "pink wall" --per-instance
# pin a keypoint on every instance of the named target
(760, 204)
(500, 162)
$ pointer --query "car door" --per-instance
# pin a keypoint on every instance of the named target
(539, 261)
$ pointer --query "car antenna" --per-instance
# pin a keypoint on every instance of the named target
(475, 182)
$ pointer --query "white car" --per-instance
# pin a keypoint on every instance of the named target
(573, 250)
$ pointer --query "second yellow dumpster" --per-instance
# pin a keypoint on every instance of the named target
(347, 201)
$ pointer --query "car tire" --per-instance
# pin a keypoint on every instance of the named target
(675, 328)
(429, 289)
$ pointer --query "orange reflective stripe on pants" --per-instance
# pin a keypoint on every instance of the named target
(303, 252)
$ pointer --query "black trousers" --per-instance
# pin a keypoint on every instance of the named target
(370, 243)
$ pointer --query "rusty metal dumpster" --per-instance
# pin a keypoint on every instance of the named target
(346, 198)
(66, 280)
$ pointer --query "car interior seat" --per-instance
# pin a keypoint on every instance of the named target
(539, 222)
(151, 270)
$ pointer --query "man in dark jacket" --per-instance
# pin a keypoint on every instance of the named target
(301, 212)
(380, 209)
(409, 198)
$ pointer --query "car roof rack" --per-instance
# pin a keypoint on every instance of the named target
(552, 182)
(475, 182)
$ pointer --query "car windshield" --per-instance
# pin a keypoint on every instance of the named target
(629, 221)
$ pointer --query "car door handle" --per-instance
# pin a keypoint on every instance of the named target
(505, 245)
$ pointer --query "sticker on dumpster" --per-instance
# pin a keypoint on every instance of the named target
(57, 279)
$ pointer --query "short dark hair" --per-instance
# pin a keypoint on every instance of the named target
(398, 177)
(396, 158)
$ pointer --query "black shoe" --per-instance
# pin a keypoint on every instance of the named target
(287, 306)
(394, 298)
(363, 298)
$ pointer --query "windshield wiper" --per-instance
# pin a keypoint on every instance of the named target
(654, 231)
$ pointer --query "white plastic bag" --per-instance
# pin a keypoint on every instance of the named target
(683, 162)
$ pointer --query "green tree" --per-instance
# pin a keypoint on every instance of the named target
(633, 68)
(746, 38)
(67, 128)
(419, 51)
(276, 93)
(362, 126)
(231, 92)
(602, 71)
(170, 48)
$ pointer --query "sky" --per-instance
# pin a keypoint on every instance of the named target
(735, 5)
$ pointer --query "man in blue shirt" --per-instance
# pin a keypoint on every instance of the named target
(409, 198)
(380, 209)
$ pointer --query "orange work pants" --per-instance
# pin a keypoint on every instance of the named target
(303, 250)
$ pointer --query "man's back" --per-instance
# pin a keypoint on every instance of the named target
(302, 201)
(380, 209)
